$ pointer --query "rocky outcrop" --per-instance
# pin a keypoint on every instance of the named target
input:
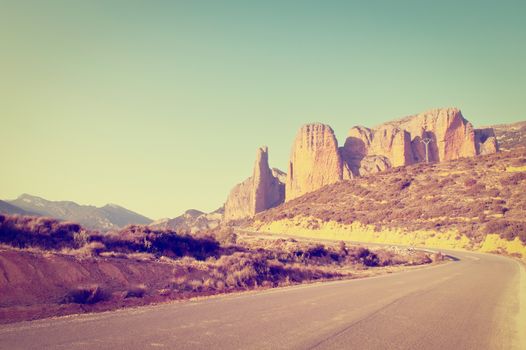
(510, 136)
(315, 161)
(259, 192)
(449, 136)
(192, 221)
(371, 150)
(280, 175)
(486, 141)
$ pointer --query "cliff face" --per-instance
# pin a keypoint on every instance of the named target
(449, 136)
(315, 161)
(259, 192)
(371, 150)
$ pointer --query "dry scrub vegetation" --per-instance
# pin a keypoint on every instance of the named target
(48, 267)
(474, 196)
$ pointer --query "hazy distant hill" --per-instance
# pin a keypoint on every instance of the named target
(108, 217)
(191, 221)
(7, 208)
(511, 136)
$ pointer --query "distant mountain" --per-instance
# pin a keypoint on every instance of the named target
(191, 221)
(121, 217)
(108, 217)
(511, 136)
(6, 208)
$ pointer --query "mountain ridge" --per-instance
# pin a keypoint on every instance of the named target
(104, 218)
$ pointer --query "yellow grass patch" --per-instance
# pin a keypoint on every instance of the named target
(515, 169)
(494, 243)
(316, 228)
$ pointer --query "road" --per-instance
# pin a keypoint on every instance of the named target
(472, 303)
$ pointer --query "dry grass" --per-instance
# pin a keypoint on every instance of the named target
(87, 271)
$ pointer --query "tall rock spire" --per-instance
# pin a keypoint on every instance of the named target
(259, 192)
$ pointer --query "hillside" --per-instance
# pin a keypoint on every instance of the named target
(7, 208)
(317, 158)
(510, 136)
(465, 200)
(105, 218)
(191, 221)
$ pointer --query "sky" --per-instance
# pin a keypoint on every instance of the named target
(159, 106)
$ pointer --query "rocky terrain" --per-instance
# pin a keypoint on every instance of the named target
(316, 160)
(403, 142)
(263, 190)
(462, 203)
(108, 217)
(510, 136)
(192, 221)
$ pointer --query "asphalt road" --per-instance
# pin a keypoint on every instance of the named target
(473, 303)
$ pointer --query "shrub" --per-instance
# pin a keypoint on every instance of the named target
(195, 285)
(470, 182)
(41, 232)
(507, 229)
(90, 249)
(365, 256)
(136, 238)
(513, 179)
(86, 295)
(136, 291)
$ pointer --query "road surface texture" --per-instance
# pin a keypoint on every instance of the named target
(472, 303)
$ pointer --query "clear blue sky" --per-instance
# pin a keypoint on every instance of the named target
(159, 106)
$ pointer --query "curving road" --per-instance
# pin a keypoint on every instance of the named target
(472, 303)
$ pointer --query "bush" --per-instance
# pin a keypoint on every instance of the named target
(514, 179)
(86, 295)
(470, 182)
(41, 232)
(507, 229)
(136, 291)
(136, 238)
(365, 256)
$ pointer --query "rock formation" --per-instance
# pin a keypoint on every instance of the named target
(451, 135)
(259, 192)
(371, 150)
(280, 175)
(486, 141)
(191, 221)
(400, 142)
(315, 161)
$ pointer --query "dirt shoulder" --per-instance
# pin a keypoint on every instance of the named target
(36, 284)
